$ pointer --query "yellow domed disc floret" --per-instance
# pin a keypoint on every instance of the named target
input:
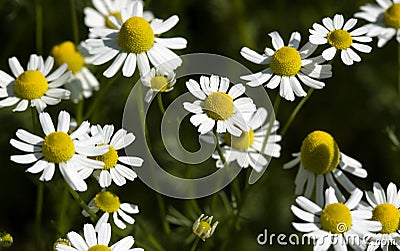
(388, 215)
(219, 106)
(99, 247)
(319, 153)
(107, 201)
(58, 147)
(159, 83)
(110, 158)
(340, 39)
(286, 61)
(241, 143)
(392, 16)
(30, 85)
(336, 218)
(136, 35)
(66, 52)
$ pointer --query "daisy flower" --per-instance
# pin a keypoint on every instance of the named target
(158, 80)
(246, 149)
(202, 227)
(320, 159)
(216, 105)
(286, 66)
(82, 82)
(96, 240)
(109, 203)
(335, 223)
(135, 42)
(385, 20)
(336, 33)
(99, 16)
(113, 170)
(35, 86)
(59, 147)
(385, 209)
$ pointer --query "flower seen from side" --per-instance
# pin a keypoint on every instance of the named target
(202, 227)
(158, 80)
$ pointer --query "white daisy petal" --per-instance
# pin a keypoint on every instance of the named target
(165, 25)
(277, 41)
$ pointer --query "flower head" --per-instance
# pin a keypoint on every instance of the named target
(320, 159)
(114, 165)
(335, 223)
(34, 86)
(337, 34)
(68, 151)
(109, 203)
(218, 106)
(286, 66)
(202, 227)
(96, 240)
(384, 18)
(135, 41)
(158, 80)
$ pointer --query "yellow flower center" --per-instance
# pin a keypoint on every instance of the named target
(244, 141)
(136, 35)
(107, 201)
(202, 229)
(66, 52)
(61, 241)
(99, 247)
(219, 106)
(340, 39)
(58, 147)
(108, 23)
(388, 215)
(30, 85)
(110, 158)
(336, 218)
(286, 61)
(159, 83)
(319, 153)
(392, 16)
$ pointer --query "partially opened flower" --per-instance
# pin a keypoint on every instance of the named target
(135, 42)
(385, 209)
(68, 151)
(158, 80)
(99, 16)
(82, 82)
(217, 105)
(286, 66)
(108, 203)
(384, 18)
(248, 148)
(337, 34)
(96, 240)
(202, 227)
(114, 165)
(321, 160)
(35, 86)
(335, 223)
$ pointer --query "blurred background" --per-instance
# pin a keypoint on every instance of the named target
(357, 106)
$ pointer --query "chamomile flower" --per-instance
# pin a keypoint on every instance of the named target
(68, 151)
(246, 149)
(202, 227)
(99, 16)
(385, 209)
(35, 86)
(286, 66)
(114, 168)
(135, 42)
(384, 18)
(96, 240)
(337, 34)
(82, 82)
(336, 223)
(320, 159)
(109, 203)
(217, 106)
(158, 80)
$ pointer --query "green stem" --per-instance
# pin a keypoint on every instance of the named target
(160, 103)
(79, 111)
(271, 121)
(93, 216)
(161, 207)
(63, 210)
(195, 243)
(398, 71)
(38, 216)
(39, 26)
(296, 110)
(150, 238)
(74, 19)
(219, 150)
